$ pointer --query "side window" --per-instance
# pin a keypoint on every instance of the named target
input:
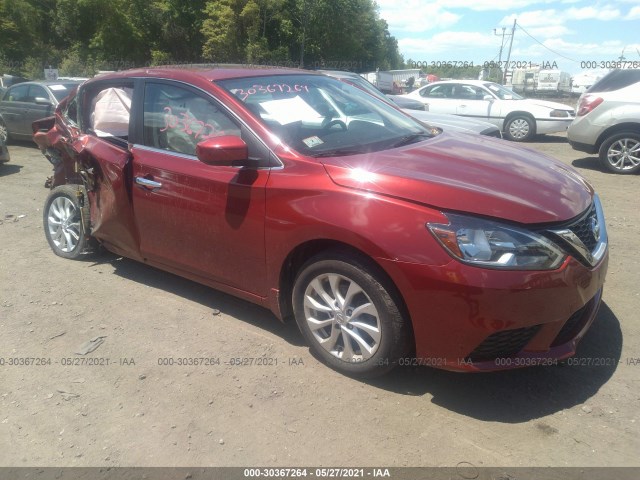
(36, 91)
(176, 119)
(468, 92)
(110, 112)
(437, 91)
(71, 112)
(17, 93)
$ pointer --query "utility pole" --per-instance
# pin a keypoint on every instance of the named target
(504, 72)
(621, 57)
(500, 54)
(501, 43)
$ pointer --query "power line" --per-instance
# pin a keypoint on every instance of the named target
(552, 51)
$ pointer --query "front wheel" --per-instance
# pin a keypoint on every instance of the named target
(348, 314)
(520, 128)
(63, 225)
(4, 133)
(620, 153)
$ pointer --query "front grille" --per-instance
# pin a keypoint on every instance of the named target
(570, 328)
(582, 229)
(505, 343)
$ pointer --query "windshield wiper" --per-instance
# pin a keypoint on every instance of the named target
(407, 139)
(339, 152)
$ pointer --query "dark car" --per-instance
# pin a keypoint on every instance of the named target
(26, 102)
(384, 240)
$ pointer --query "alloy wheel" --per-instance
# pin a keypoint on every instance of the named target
(63, 221)
(624, 154)
(342, 317)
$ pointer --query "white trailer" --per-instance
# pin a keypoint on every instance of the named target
(553, 81)
(581, 82)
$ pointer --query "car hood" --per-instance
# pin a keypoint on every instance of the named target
(454, 122)
(469, 173)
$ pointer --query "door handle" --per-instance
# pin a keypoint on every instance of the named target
(148, 184)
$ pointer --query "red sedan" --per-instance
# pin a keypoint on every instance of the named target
(387, 241)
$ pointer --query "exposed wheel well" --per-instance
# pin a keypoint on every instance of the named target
(622, 127)
(303, 252)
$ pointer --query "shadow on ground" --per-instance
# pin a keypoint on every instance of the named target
(510, 396)
(9, 169)
(22, 143)
(548, 139)
(196, 292)
(590, 163)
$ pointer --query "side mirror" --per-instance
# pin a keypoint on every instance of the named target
(487, 97)
(226, 150)
(42, 101)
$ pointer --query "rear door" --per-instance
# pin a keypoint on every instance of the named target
(12, 108)
(202, 219)
(439, 98)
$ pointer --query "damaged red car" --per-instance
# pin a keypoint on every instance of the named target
(387, 241)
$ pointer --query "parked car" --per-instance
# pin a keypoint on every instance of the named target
(520, 119)
(608, 121)
(357, 80)
(382, 239)
(417, 109)
(23, 103)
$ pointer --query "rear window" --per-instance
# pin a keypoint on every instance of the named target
(61, 90)
(616, 80)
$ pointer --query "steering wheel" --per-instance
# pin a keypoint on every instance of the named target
(328, 124)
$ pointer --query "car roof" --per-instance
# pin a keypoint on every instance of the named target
(47, 83)
(338, 73)
(472, 82)
(200, 72)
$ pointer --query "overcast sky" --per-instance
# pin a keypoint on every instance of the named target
(573, 31)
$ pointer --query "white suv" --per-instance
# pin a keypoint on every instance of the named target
(608, 121)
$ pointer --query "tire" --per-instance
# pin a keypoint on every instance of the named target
(4, 133)
(520, 128)
(362, 333)
(63, 225)
(620, 153)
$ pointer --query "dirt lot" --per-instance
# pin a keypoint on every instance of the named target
(134, 411)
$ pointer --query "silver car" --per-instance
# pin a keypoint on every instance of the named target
(24, 103)
(608, 121)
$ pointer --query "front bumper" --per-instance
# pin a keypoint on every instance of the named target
(583, 147)
(545, 125)
(467, 318)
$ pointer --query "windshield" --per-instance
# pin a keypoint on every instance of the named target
(503, 93)
(61, 90)
(321, 116)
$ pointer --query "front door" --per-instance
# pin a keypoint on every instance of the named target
(471, 102)
(202, 219)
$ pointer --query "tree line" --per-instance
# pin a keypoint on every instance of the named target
(81, 37)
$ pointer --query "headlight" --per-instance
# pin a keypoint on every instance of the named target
(492, 245)
(559, 113)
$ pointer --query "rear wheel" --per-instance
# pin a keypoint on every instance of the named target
(348, 314)
(63, 225)
(620, 153)
(520, 128)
